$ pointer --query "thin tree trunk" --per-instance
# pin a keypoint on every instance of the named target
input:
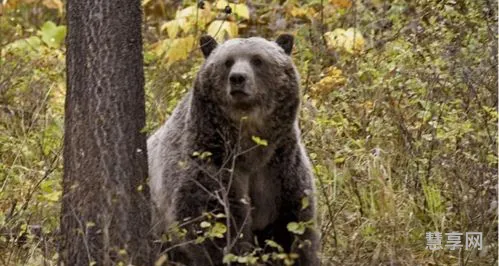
(105, 215)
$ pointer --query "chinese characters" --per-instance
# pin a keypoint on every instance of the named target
(454, 240)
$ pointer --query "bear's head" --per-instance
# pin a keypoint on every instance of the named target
(249, 77)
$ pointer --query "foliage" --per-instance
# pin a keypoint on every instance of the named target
(31, 101)
(399, 116)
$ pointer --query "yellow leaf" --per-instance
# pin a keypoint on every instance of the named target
(298, 12)
(221, 4)
(335, 38)
(350, 40)
(179, 49)
(368, 105)
(161, 260)
(219, 28)
(204, 16)
(242, 10)
(355, 40)
(145, 2)
(185, 24)
(159, 48)
(341, 3)
(187, 12)
(333, 78)
(172, 27)
(232, 29)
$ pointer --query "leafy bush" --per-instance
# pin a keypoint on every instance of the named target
(399, 116)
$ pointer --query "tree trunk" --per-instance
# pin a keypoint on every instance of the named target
(105, 215)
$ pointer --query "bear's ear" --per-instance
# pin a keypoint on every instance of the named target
(285, 41)
(207, 45)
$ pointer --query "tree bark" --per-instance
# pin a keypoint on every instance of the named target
(105, 216)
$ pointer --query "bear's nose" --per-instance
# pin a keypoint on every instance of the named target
(237, 78)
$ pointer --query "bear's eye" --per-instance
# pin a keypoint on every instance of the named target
(256, 61)
(229, 62)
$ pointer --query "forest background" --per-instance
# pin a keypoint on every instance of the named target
(399, 116)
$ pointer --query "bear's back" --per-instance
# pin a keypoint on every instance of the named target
(165, 150)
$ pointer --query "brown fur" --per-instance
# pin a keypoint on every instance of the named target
(246, 88)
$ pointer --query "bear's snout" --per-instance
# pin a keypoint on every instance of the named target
(237, 79)
(239, 88)
(240, 81)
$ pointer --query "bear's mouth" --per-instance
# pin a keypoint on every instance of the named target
(242, 101)
(240, 97)
(238, 93)
(243, 105)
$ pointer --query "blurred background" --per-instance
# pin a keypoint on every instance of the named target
(399, 115)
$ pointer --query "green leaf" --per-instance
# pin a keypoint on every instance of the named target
(274, 244)
(339, 159)
(259, 141)
(242, 259)
(205, 224)
(305, 202)
(218, 230)
(296, 228)
(52, 35)
(25, 45)
(229, 258)
(203, 155)
(90, 224)
(53, 196)
(220, 215)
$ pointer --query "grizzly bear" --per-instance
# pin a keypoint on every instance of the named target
(228, 171)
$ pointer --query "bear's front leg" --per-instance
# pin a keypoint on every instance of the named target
(304, 243)
(298, 207)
